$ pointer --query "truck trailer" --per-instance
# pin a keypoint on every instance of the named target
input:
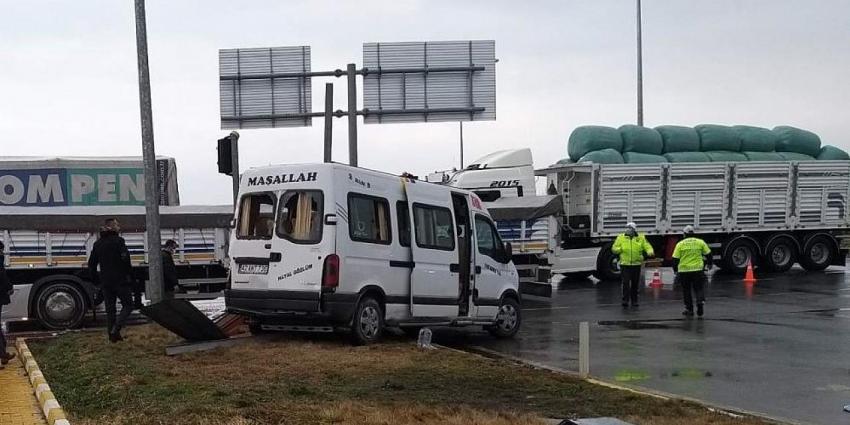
(47, 248)
(773, 214)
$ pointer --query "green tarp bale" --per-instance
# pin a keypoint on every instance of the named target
(792, 139)
(718, 138)
(641, 139)
(589, 138)
(565, 161)
(756, 139)
(831, 153)
(726, 156)
(678, 139)
(763, 156)
(686, 157)
(602, 156)
(794, 156)
(642, 158)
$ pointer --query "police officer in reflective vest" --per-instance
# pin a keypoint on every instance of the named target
(632, 249)
(690, 258)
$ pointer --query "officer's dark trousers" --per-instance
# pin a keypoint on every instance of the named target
(693, 285)
(631, 277)
(111, 293)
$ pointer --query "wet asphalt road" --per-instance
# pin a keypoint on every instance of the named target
(780, 347)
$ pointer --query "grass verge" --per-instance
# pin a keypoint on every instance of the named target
(310, 379)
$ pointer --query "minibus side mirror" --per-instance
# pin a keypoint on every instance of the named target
(509, 252)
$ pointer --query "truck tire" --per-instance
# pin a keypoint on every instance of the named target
(780, 253)
(818, 253)
(60, 305)
(607, 265)
(508, 319)
(367, 327)
(738, 253)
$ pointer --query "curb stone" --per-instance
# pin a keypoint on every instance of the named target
(53, 413)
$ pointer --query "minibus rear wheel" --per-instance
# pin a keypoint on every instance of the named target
(367, 327)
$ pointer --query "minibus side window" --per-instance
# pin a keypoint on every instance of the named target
(403, 214)
(300, 217)
(368, 219)
(487, 237)
(434, 227)
(256, 216)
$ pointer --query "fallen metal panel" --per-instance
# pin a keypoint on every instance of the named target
(183, 319)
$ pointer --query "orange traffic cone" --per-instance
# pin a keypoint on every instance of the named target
(749, 277)
(656, 280)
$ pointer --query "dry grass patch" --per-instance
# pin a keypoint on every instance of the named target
(315, 379)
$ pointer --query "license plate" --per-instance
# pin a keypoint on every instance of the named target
(254, 269)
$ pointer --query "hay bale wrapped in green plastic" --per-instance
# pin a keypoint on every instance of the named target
(756, 139)
(602, 156)
(641, 139)
(726, 156)
(792, 139)
(831, 153)
(678, 139)
(763, 156)
(565, 161)
(714, 137)
(794, 156)
(687, 157)
(642, 158)
(588, 138)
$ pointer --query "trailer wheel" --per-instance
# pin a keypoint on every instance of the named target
(780, 254)
(818, 253)
(607, 265)
(368, 324)
(738, 255)
(508, 319)
(60, 305)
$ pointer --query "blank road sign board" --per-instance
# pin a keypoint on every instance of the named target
(265, 87)
(429, 81)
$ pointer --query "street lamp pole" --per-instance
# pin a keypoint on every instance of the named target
(639, 69)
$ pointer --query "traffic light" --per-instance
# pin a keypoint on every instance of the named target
(225, 156)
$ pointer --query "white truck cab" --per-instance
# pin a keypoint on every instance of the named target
(332, 246)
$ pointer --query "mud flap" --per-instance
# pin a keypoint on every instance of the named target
(540, 289)
(183, 319)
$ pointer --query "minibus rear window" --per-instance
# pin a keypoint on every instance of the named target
(256, 216)
(300, 216)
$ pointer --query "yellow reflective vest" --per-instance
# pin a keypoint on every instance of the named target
(632, 250)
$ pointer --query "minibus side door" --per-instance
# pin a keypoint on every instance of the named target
(434, 278)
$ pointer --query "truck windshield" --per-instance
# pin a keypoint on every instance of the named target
(300, 216)
(256, 216)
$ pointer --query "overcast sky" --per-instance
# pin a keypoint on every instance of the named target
(68, 76)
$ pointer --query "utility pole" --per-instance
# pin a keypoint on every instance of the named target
(154, 285)
(639, 70)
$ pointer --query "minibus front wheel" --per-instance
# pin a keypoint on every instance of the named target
(508, 319)
(367, 326)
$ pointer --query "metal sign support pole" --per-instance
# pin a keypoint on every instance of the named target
(329, 106)
(234, 165)
(461, 145)
(154, 284)
(639, 70)
(351, 71)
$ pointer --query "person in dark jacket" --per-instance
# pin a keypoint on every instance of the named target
(114, 276)
(6, 290)
(169, 270)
